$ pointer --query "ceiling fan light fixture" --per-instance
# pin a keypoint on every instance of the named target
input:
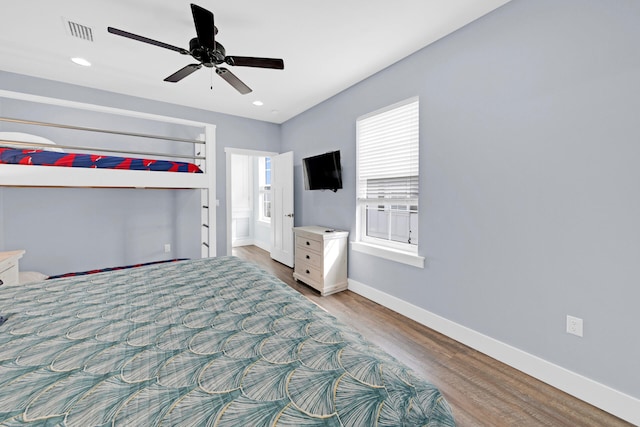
(81, 61)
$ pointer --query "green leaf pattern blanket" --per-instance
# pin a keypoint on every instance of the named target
(210, 342)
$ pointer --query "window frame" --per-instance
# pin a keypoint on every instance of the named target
(393, 250)
(264, 189)
(394, 244)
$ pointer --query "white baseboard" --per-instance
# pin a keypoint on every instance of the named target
(251, 242)
(262, 245)
(588, 390)
(242, 242)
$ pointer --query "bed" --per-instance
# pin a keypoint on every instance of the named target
(213, 341)
(32, 157)
(142, 151)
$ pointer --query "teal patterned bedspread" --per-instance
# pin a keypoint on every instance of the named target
(196, 343)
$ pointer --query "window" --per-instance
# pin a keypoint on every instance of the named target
(387, 178)
(264, 187)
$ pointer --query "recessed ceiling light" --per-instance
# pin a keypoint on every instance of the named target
(258, 103)
(81, 61)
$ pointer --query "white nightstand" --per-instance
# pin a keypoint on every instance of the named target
(321, 258)
(9, 267)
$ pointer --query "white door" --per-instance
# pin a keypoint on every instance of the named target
(282, 208)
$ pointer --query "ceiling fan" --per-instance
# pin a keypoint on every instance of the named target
(207, 52)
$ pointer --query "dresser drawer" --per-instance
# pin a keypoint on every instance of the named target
(303, 243)
(309, 257)
(308, 273)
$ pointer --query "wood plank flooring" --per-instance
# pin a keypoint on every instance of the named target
(480, 390)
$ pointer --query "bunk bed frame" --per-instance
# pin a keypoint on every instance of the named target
(47, 176)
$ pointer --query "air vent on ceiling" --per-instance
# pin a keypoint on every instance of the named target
(78, 30)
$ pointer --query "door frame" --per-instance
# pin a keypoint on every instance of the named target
(229, 151)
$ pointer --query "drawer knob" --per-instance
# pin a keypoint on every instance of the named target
(308, 243)
(308, 257)
(1, 282)
(308, 272)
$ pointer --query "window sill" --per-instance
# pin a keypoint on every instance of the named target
(388, 253)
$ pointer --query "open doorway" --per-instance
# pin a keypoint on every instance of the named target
(260, 202)
(249, 194)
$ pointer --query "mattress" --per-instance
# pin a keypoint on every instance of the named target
(16, 156)
(213, 341)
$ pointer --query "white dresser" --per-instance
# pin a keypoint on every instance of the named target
(321, 258)
(9, 267)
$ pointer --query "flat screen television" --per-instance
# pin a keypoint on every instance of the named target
(323, 172)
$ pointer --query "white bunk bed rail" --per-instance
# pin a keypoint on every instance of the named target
(204, 148)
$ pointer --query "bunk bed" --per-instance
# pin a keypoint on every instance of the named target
(198, 150)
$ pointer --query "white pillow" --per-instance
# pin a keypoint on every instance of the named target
(27, 137)
(30, 277)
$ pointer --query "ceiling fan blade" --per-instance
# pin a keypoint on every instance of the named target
(233, 80)
(182, 73)
(203, 19)
(146, 40)
(248, 61)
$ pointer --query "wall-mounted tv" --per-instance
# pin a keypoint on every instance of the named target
(322, 172)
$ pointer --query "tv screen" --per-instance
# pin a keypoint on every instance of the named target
(323, 172)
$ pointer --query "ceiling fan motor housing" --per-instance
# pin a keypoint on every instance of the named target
(208, 57)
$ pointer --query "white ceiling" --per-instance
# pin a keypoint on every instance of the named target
(327, 46)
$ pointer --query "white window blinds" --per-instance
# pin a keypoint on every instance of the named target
(388, 143)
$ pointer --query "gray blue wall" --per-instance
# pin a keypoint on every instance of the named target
(530, 198)
(529, 172)
(76, 229)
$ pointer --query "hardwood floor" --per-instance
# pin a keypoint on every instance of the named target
(480, 390)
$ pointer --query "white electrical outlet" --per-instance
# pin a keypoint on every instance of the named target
(574, 325)
(167, 247)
